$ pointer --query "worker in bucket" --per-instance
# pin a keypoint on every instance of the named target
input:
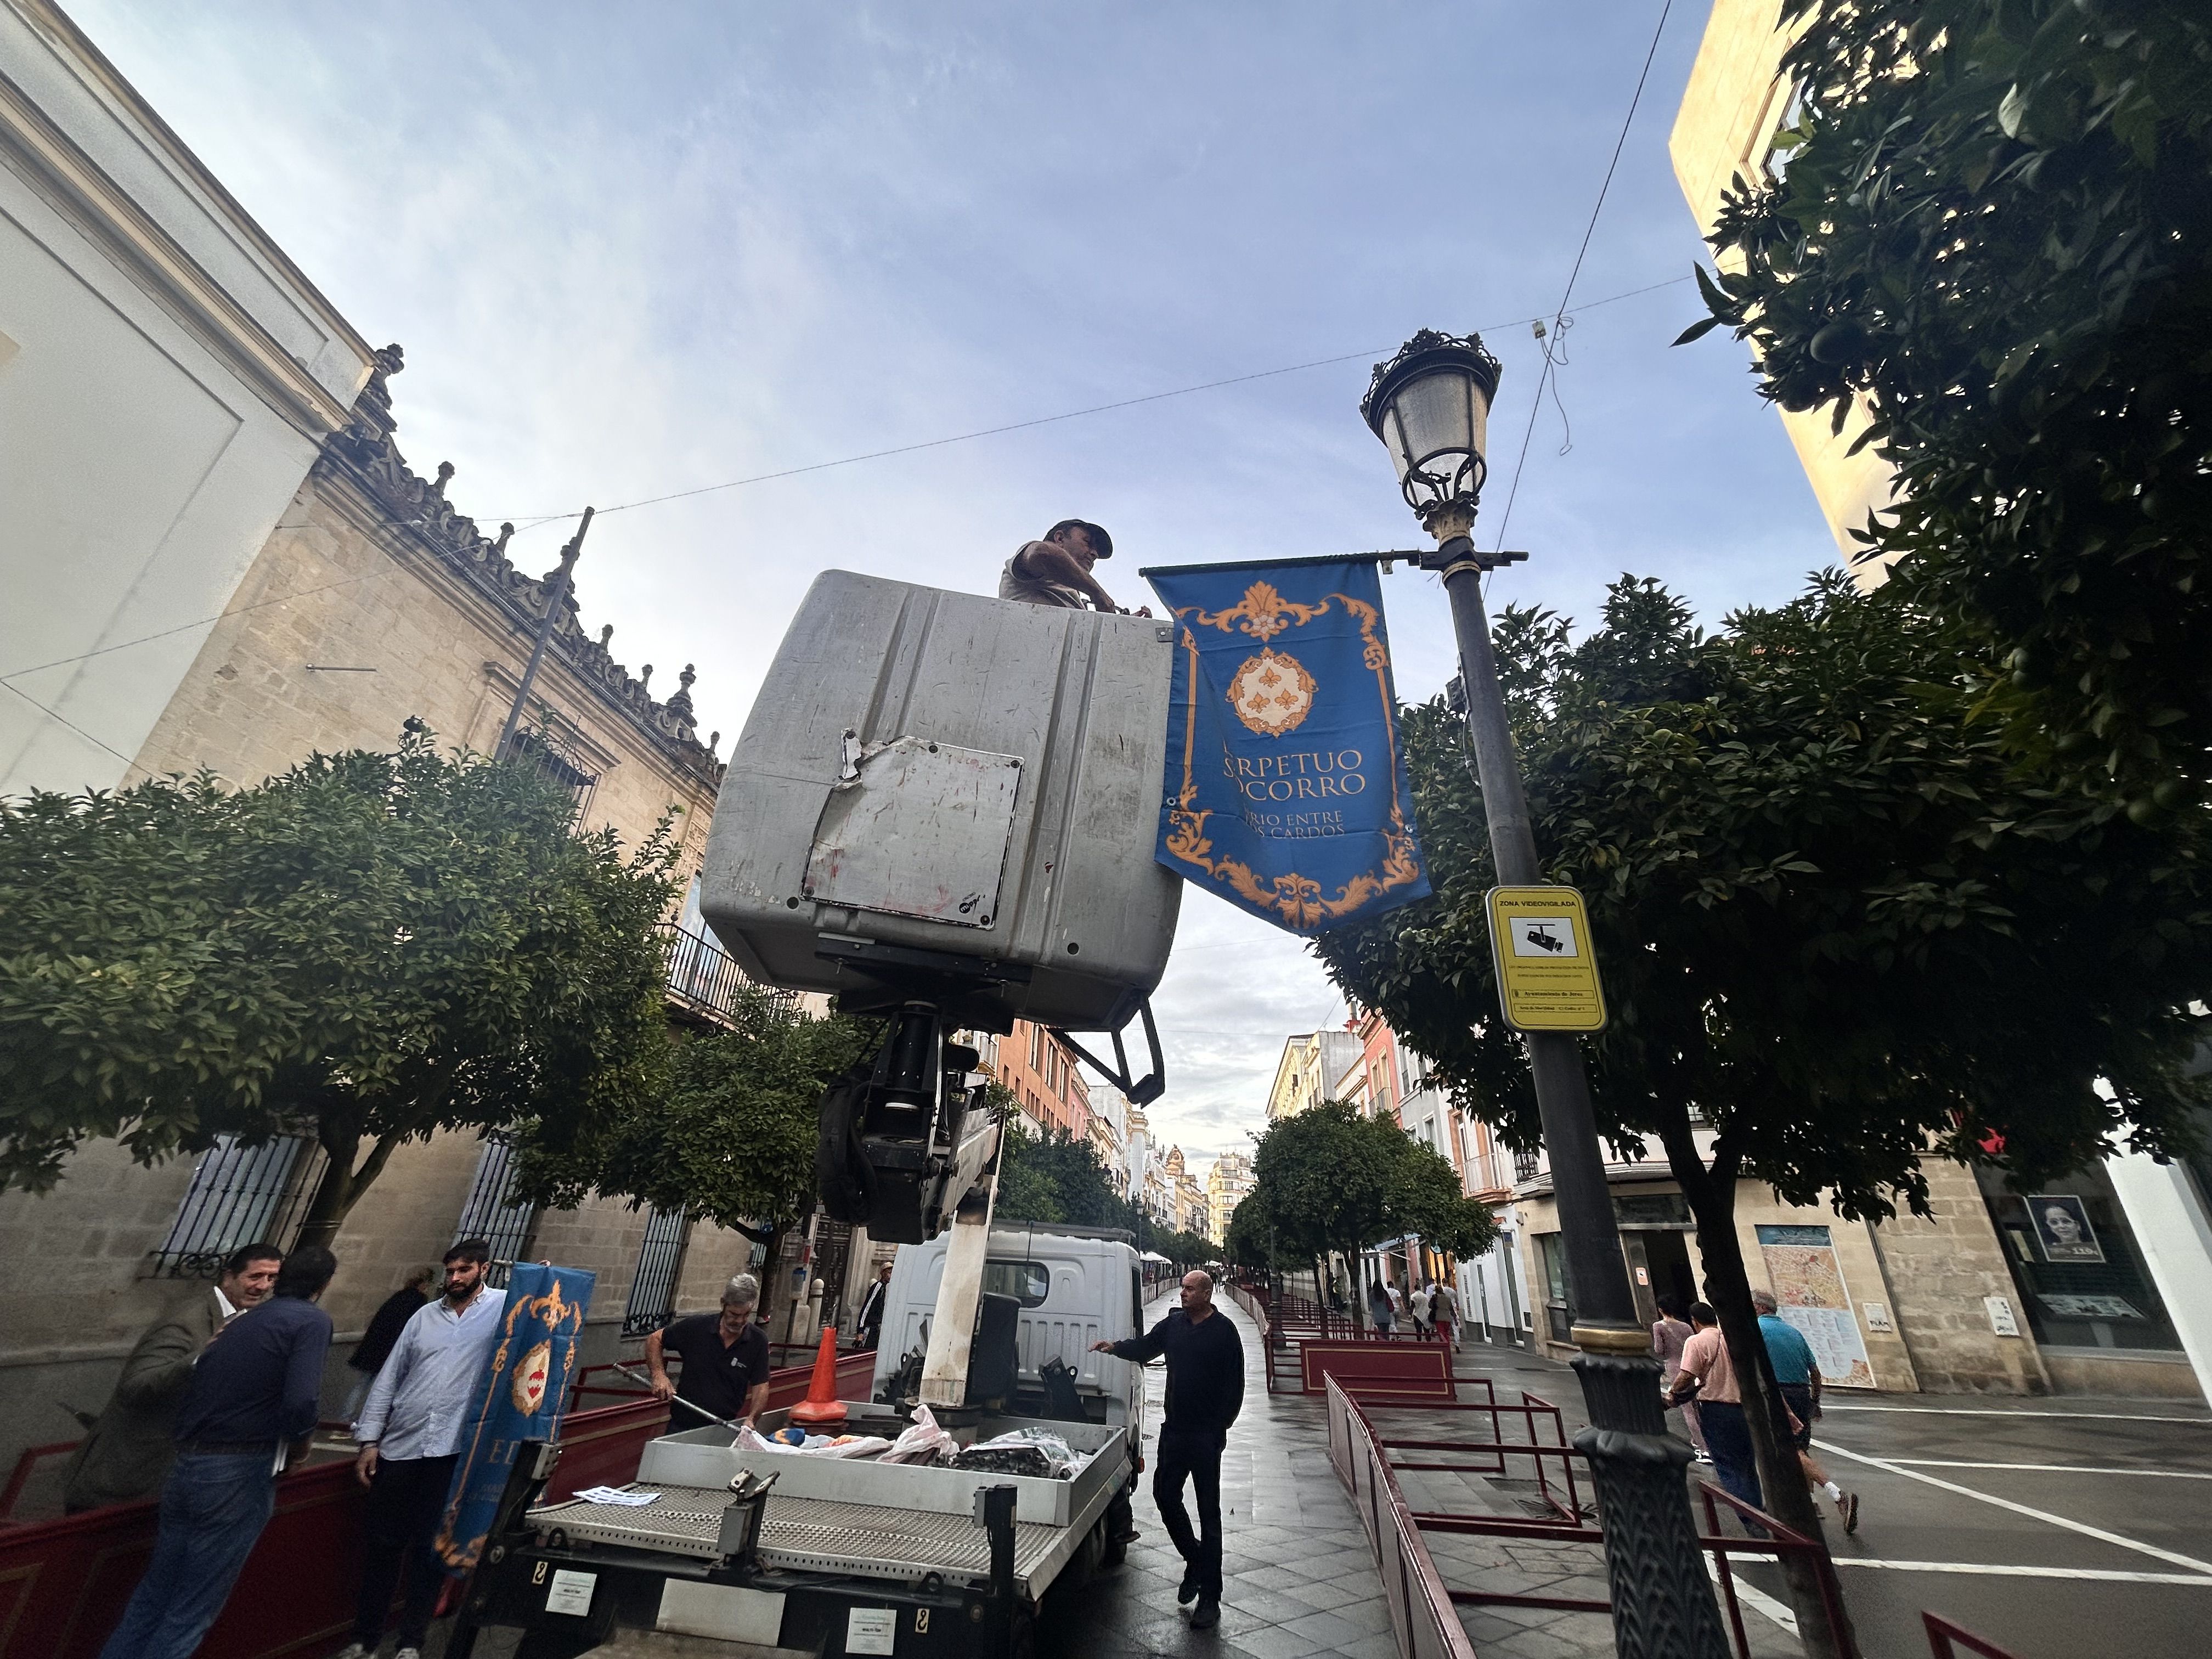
(1056, 571)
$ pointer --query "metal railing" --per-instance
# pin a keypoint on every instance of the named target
(239, 1195)
(1573, 1519)
(704, 979)
(1422, 1618)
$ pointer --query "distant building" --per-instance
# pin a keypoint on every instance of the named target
(1309, 1067)
(1048, 1087)
(1226, 1184)
(1109, 1117)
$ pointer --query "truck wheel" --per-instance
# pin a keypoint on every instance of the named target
(1116, 1527)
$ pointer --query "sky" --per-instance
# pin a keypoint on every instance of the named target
(632, 251)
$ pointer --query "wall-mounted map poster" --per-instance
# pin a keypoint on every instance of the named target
(1808, 1283)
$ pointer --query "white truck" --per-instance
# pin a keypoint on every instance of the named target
(827, 1555)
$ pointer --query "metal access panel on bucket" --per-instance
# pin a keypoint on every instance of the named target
(953, 773)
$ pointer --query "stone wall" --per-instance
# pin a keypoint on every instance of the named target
(1939, 1270)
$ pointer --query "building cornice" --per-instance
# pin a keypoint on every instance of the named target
(364, 457)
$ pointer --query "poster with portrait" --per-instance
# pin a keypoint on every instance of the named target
(2063, 1229)
(1808, 1284)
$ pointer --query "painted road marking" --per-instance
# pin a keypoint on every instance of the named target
(2052, 1468)
(1755, 1598)
(1978, 1411)
(2109, 1575)
(2083, 1528)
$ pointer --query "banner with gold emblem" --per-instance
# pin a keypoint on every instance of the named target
(1285, 792)
(519, 1398)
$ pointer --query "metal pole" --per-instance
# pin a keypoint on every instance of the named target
(1663, 1601)
(563, 580)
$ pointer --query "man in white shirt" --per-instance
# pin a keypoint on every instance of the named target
(409, 1435)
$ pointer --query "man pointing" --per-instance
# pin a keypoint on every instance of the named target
(1205, 1390)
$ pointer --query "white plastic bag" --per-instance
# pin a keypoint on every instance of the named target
(921, 1441)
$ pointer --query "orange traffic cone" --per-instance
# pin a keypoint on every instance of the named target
(822, 1408)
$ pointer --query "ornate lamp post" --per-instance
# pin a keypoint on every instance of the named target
(1430, 405)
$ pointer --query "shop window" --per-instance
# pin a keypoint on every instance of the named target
(2073, 1256)
(1558, 1297)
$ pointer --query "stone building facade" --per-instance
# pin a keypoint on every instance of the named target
(374, 602)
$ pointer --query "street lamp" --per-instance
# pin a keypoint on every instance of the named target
(1430, 405)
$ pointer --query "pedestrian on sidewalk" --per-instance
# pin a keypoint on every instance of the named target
(128, 1451)
(409, 1435)
(1705, 1372)
(1204, 1392)
(251, 1405)
(872, 1310)
(1443, 1313)
(1380, 1309)
(382, 1336)
(1798, 1375)
(1417, 1305)
(1669, 1334)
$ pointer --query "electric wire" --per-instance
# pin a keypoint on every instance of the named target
(525, 522)
(1536, 402)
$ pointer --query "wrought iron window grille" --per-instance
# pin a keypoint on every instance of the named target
(660, 1259)
(240, 1194)
(491, 1213)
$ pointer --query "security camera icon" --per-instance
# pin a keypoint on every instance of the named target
(1540, 935)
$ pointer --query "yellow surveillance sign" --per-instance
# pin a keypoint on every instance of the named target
(1547, 975)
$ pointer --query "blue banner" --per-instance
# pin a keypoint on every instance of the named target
(519, 1398)
(1285, 792)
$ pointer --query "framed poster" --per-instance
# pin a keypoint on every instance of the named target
(2063, 1229)
(1808, 1283)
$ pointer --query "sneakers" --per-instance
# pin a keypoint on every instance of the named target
(1186, 1590)
(1850, 1509)
(355, 1650)
(1206, 1614)
(408, 1653)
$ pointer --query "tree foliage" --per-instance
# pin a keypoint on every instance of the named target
(1837, 930)
(1832, 917)
(731, 1137)
(366, 949)
(1059, 1178)
(1330, 1179)
(1993, 230)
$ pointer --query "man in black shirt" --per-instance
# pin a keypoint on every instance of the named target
(725, 1358)
(1205, 1390)
(253, 1395)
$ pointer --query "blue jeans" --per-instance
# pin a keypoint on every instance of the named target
(1727, 1437)
(213, 1506)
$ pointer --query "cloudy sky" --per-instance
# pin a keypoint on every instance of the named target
(637, 249)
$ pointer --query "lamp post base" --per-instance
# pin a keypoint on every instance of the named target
(1663, 1601)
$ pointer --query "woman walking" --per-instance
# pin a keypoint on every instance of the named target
(1668, 1333)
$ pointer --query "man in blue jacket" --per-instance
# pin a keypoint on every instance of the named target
(1798, 1375)
(253, 1403)
(1205, 1390)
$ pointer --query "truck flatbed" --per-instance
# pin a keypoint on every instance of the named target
(814, 1534)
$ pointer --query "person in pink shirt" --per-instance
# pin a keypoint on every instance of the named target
(1706, 1371)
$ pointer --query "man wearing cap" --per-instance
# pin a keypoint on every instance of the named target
(1056, 571)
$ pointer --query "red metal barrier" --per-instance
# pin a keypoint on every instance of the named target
(17, 1480)
(1942, 1634)
(1397, 1372)
(1422, 1618)
(62, 1583)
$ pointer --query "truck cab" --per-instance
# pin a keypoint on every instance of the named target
(1076, 1285)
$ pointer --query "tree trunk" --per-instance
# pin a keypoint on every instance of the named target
(342, 1184)
(1782, 1485)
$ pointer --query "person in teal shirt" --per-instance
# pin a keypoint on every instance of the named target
(1798, 1375)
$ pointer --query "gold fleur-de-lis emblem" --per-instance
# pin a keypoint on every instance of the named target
(1255, 700)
